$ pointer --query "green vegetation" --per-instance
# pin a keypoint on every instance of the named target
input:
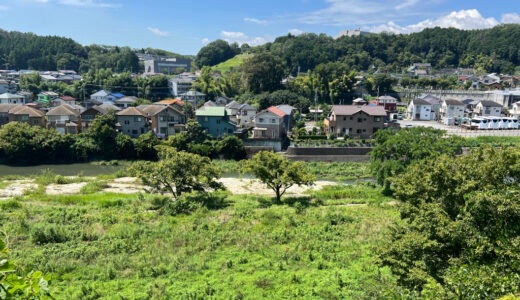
(459, 235)
(277, 172)
(94, 187)
(493, 141)
(109, 245)
(232, 64)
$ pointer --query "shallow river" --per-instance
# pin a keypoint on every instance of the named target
(86, 169)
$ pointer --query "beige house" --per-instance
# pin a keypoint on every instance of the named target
(27, 114)
(269, 124)
(165, 120)
(65, 119)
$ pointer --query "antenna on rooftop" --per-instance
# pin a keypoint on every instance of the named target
(316, 106)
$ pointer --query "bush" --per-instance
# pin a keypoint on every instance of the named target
(50, 233)
(93, 187)
(11, 204)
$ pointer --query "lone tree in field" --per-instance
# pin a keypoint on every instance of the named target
(178, 173)
(277, 172)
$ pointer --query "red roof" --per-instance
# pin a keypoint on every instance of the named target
(68, 98)
(172, 101)
(275, 110)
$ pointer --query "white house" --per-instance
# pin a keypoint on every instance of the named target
(8, 98)
(488, 109)
(269, 124)
(193, 97)
(246, 115)
(420, 109)
(516, 109)
(452, 109)
(104, 97)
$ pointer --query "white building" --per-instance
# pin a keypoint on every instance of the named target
(420, 109)
(8, 98)
(488, 109)
(452, 109)
(104, 97)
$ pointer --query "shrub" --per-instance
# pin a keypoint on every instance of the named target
(10, 204)
(93, 187)
(50, 233)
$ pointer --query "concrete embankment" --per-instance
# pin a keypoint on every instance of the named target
(329, 154)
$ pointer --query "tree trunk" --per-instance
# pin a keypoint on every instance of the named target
(278, 196)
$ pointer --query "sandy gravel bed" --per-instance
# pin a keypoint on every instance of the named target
(17, 188)
(239, 186)
(64, 189)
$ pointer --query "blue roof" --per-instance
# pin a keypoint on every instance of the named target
(118, 95)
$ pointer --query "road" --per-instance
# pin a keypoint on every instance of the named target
(455, 130)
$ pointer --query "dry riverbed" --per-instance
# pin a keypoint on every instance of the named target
(129, 185)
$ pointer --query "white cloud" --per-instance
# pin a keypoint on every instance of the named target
(242, 38)
(205, 41)
(463, 19)
(348, 12)
(405, 4)
(158, 32)
(295, 32)
(510, 18)
(89, 3)
(256, 21)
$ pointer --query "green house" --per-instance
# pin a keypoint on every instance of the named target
(215, 120)
(45, 98)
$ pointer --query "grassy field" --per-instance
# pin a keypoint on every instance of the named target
(322, 170)
(112, 246)
(493, 140)
(229, 64)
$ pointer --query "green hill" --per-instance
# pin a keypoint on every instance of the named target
(233, 63)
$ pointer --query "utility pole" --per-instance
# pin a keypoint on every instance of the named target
(316, 106)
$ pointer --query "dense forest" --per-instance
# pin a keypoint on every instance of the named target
(490, 50)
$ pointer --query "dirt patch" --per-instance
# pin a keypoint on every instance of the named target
(239, 186)
(17, 188)
(64, 189)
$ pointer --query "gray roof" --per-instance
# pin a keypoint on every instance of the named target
(126, 100)
(63, 110)
(432, 99)
(487, 103)
(454, 102)
(348, 110)
(287, 109)
(109, 106)
(102, 93)
(132, 111)
(247, 107)
(419, 101)
(233, 105)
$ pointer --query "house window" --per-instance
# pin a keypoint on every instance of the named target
(25, 117)
(360, 120)
(377, 119)
(127, 122)
(138, 119)
(273, 121)
(358, 131)
(162, 119)
(344, 118)
(351, 118)
(218, 121)
(261, 120)
(205, 119)
(134, 131)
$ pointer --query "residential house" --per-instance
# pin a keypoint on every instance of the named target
(355, 121)
(89, 115)
(246, 115)
(288, 118)
(388, 102)
(8, 98)
(65, 119)
(419, 110)
(215, 120)
(420, 69)
(133, 121)
(125, 102)
(166, 120)
(28, 115)
(27, 96)
(177, 103)
(180, 85)
(104, 97)
(7, 86)
(45, 98)
(222, 101)
(4, 112)
(108, 107)
(360, 101)
(63, 100)
(269, 124)
(436, 106)
(488, 109)
(49, 78)
(193, 97)
(452, 111)
(491, 81)
(91, 102)
(515, 110)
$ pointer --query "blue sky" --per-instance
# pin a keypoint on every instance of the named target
(185, 26)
